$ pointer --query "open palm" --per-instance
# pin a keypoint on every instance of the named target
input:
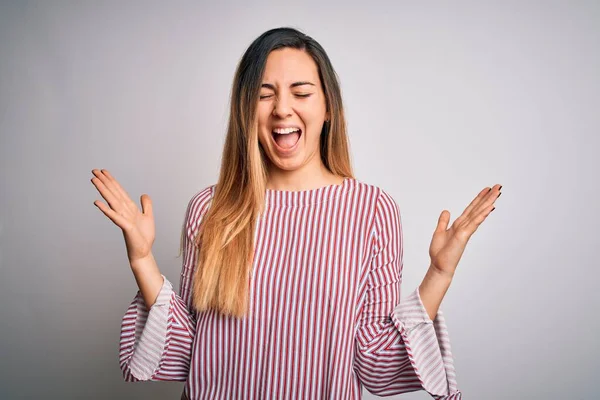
(138, 226)
(448, 245)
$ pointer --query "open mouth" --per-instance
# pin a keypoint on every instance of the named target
(286, 138)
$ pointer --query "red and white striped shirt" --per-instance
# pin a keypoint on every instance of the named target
(325, 317)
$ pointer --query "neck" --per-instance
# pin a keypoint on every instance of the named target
(305, 178)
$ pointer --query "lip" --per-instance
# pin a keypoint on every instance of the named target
(283, 126)
(282, 151)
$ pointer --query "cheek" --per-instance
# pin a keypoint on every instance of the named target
(314, 114)
(313, 121)
(263, 121)
(261, 113)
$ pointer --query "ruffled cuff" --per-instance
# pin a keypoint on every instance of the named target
(428, 346)
(150, 332)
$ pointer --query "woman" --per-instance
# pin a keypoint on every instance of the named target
(290, 286)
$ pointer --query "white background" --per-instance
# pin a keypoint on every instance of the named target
(443, 99)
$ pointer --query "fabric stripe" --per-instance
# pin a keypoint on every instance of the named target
(325, 318)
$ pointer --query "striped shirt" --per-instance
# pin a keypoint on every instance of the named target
(325, 317)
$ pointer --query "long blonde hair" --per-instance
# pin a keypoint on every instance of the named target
(226, 235)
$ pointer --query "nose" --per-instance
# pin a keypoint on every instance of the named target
(282, 107)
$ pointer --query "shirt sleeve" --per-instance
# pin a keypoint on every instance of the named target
(156, 343)
(399, 348)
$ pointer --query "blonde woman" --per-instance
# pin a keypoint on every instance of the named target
(290, 285)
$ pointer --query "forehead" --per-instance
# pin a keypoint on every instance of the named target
(286, 66)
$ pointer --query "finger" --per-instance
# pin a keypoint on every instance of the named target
(467, 213)
(122, 192)
(146, 205)
(478, 219)
(488, 200)
(477, 200)
(107, 194)
(107, 183)
(120, 221)
(486, 197)
(443, 221)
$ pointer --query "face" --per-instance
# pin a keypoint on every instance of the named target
(291, 111)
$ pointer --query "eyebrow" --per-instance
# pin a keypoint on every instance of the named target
(295, 84)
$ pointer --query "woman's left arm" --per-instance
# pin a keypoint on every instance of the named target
(399, 348)
(403, 346)
(448, 245)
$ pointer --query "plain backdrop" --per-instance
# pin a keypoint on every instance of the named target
(442, 99)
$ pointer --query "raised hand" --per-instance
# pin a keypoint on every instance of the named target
(137, 226)
(448, 245)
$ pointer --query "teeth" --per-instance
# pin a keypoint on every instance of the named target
(285, 131)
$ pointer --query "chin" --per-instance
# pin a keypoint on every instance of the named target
(288, 165)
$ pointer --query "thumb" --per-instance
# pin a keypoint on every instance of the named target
(146, 205)
(443, 220)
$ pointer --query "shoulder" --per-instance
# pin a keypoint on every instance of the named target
(197, 207)
(382, 209)
(381, 199)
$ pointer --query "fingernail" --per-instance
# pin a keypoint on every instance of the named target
(493, 209)
(500, 188)
(499, 194)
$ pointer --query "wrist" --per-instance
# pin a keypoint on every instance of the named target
(433, 289)
(437, 273)
(145, 262)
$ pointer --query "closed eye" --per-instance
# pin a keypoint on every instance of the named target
(301, 95)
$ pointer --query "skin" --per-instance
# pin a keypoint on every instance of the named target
(292, 94)
(284, 101)
(138, 230)
(448, 245)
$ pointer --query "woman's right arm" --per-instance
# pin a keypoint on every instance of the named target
(158, 328)
(156, 341)
(148, 278)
